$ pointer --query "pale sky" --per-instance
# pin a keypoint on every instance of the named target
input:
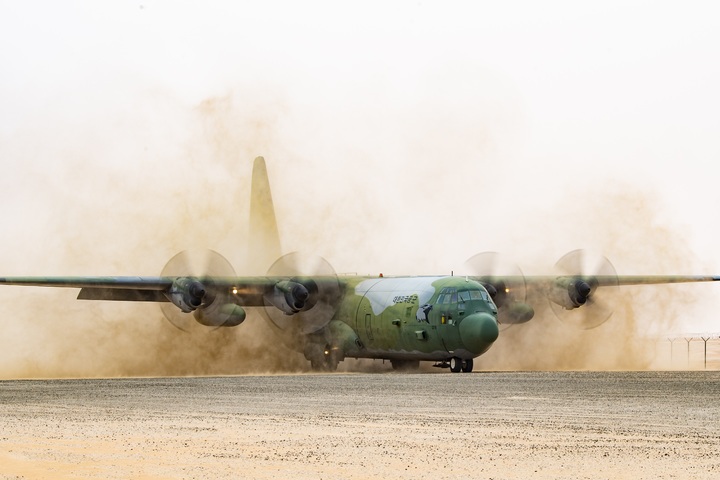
(400, 136)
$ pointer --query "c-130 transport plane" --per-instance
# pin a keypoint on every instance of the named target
(449, 320)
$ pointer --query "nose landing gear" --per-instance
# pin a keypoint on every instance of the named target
(456, 364)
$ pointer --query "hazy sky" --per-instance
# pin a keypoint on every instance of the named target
(401, 137)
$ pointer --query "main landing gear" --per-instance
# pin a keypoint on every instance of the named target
(322, 360)
(456, 365)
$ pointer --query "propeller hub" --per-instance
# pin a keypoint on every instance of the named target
(582, 289)
(197, 293)
(301, 295)
(300, 292)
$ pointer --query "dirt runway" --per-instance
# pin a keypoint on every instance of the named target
(639, 425)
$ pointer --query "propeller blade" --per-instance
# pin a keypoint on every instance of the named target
(205, 265)
(504, 281)
(319, 279)
(584, 265)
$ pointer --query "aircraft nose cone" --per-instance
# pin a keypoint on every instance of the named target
(478, 331)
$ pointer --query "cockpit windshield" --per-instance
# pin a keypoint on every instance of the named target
(451, 295)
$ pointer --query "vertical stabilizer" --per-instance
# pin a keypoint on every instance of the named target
(264, 247)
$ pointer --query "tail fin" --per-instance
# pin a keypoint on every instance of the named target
(264, 245)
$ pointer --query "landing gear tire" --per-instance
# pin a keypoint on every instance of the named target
(467, 365)
(455, 364)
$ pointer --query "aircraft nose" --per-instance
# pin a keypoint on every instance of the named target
(478, 331)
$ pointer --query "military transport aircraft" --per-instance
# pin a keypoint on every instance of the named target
(446, 319)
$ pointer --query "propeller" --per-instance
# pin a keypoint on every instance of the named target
(505, 283)
(583, 304)
(306, 296)
(198, 268)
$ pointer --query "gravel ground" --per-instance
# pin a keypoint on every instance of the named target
(415, 426)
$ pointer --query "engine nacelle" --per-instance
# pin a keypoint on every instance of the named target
(517, 312)
(220, 314)
(187, 293)
(211, 308)
(570, 293)
(288, 296)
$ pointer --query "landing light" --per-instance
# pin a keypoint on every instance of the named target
(234, 290)
(507, 290)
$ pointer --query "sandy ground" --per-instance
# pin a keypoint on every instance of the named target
(355, 426)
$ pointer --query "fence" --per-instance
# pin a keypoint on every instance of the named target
(693, 350)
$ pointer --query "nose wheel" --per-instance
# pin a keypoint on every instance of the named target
(460, 365)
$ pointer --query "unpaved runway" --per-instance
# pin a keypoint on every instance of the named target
(420, 426)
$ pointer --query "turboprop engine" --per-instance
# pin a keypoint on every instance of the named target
(186, 293)
(505, 283)
(305, 296)
(210, 307)
(570, 293)
(200, 287)
(289, 296)
(584, 279)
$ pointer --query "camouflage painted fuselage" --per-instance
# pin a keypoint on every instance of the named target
(414, 318)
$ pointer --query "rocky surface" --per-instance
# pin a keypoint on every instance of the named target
(356, 426)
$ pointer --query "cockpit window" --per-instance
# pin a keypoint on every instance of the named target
(447, 296)
(474, 295)
(477, 295)
(450, 295)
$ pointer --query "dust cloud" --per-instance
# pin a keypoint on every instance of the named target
(125, 216)
(360, 191)
(625, 225)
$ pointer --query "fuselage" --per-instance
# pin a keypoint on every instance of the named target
(414, 318)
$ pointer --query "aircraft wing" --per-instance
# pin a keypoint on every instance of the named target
(659, 279)
(214, 301)
(580, 293)
(566, 292)
(248, 290)
(616, 280)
